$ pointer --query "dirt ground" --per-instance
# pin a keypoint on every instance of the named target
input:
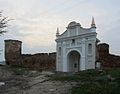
(40, 84)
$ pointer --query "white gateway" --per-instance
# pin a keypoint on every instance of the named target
(76, 48)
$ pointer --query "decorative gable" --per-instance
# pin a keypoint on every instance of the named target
(75, 29)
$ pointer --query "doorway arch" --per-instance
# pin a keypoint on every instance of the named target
(73, 61)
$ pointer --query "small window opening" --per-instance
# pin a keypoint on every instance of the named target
(59, 52)
(89, 48)
(75, 65)
(73, 40)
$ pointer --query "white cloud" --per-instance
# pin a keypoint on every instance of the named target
(35, 21)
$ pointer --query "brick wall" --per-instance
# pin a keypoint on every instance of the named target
(40, 61)
(106, 59)
(13, 56)
(12, 51)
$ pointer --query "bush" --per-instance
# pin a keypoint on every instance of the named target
(96, 88)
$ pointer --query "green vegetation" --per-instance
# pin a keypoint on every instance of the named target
(19, 70)
(93, 81)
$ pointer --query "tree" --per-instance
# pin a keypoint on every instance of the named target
(3, 23)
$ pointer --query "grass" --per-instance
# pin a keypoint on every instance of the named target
(88, 75)
(19, 70)
(93, 81)
(96, 88)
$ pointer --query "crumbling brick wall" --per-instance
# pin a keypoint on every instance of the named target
(13, 56)
(106, 59)
(40, 61)
(12, 51)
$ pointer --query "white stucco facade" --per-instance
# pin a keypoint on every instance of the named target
(76, 48)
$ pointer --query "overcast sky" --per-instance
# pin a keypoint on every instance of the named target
(35, 21)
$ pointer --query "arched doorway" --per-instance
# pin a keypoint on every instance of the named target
(73, 59)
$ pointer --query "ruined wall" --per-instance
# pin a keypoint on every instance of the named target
(106, 59)
(13, 56)
(39, 61)
(12, 51)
